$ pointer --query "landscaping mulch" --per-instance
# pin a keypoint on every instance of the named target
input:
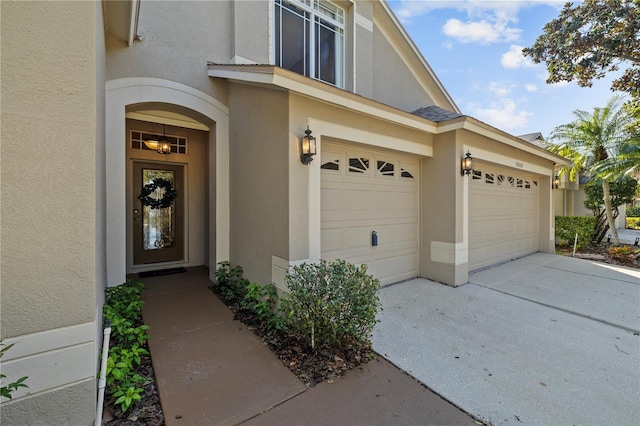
(600, 253)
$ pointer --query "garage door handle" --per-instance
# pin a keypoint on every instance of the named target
(374, 238)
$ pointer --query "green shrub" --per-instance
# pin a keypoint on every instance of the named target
(123, 310)
(262, 300)
(568, 226)
(230, 285)
(633, 211)
(632, 223)
(331, 304)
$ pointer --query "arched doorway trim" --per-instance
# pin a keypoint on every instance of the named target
(129, 91)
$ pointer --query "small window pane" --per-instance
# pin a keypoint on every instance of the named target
(476, 175)
(331, 165)
(358, 165)
(488, 178)
(406, 174)
(386, 169)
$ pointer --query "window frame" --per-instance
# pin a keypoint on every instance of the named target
(317, 18)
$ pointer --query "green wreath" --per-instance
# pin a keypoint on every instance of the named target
(170, 194)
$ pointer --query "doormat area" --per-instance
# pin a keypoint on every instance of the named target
(161, 272)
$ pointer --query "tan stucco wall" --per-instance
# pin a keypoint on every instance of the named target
(442, 202)
(178, 40)
(259, 176)
(53, 221)
(49, 173)
(196, 176)
(405, 92)
(250, 38)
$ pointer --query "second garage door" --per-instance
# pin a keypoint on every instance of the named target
(503, 215)
(365, 191)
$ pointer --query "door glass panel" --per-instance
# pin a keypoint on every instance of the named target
(158, 224)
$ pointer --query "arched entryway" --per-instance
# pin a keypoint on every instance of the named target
(139, 95)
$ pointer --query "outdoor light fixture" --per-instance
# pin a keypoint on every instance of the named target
(467, 164)
(555, 183)
(307, 147)
(162, 145)
(637, 241)
(609, 238)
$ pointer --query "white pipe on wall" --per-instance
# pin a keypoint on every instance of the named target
(103, 372)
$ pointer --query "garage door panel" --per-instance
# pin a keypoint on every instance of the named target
(503, 216)
(379, 199)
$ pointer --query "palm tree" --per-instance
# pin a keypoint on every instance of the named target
(592, 139)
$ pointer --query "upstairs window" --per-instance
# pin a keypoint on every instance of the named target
(310, 39)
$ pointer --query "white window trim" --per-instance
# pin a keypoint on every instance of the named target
(313, 12)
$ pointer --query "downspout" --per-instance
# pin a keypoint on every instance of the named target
(103, 371)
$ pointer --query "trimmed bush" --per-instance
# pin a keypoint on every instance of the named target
(632, 223)
(331, 304)
(633, 211)
(567, 226)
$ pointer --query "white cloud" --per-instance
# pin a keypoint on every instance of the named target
(531, 87)
(500, 89)
(515, 59)
(482, 31)
(503, 114)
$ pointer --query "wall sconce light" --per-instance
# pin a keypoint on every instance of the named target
(555, 183)
(307, 147)
(467, 164)
(162, 145)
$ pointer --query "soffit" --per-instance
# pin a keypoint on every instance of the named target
(121, 18)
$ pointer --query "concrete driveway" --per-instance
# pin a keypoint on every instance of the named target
(541, 340)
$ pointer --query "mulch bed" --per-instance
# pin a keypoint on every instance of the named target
(600, 253)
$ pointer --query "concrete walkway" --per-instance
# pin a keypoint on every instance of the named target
(628, 236)
(211, 370)
(546, 340)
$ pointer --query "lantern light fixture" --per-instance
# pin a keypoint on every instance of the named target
(555, 183)
(466, 166)
(307, 147)
(161, 145)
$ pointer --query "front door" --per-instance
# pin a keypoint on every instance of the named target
(158, 213)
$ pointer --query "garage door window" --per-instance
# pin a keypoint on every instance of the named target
(332, 161)
(358, 165)
(385, 168)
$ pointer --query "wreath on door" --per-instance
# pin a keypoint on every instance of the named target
(168, 196)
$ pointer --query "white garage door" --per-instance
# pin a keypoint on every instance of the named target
(365, 191)
(503, 215)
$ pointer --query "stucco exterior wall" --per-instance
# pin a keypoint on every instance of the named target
(443, 200)
(48, 166)
(405, 92)
(178, 40)
(364, 63)
(259, 179)
(251, 41)
(50, 231)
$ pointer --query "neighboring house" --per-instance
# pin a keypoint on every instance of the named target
(569, 197)
(88, 87)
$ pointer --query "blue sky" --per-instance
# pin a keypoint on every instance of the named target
(474, 47)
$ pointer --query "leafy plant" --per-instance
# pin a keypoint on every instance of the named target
(263, 302)
(622, 192)
(632, 223)
(633, 211)
(622, 253)
(230, 285)
(123, 309)
(6, 391)
(331, 304)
